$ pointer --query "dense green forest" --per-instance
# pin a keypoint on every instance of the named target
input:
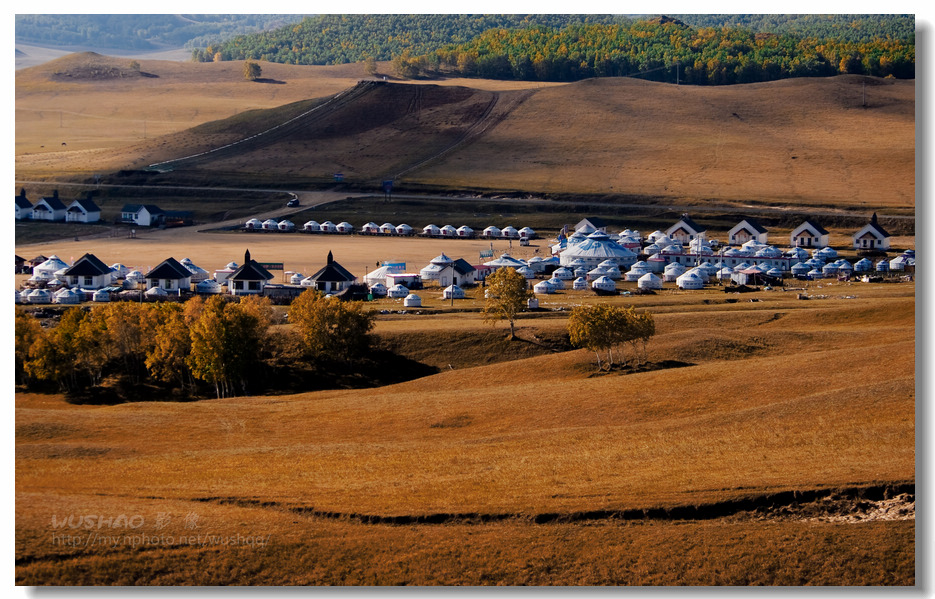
(694, 49)
(140, 32)
(340, 39)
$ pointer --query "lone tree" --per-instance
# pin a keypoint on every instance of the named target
(506, 297)
(603, 327)
(251, 70)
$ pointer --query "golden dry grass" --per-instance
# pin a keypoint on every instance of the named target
(784, 398)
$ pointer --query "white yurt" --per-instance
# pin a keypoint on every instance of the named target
(863, 265)
(605, 284)
(505, 260)
(465, 231)
(829, 270)
(286, 225)
(296, 278)
(826, 253)
(657, 236)
(491, 231)
(431, 230)
(412, 301)
(118, 271)
(208, 286)
(403, 229)
(48, 268)
(596, 248)
(387, 229)
(536, 263)
(312, 226)
(221, 274)
(611, 268)
(689, 280)
(527, 233)
(799, 269)
(649, 281)
(883, 266)
(40, 277)
(527, 272)
(453, 292)
(18, 298)
(637, 270)
(344, 227)
(509, 231)
(60, 274)
(378, 290)
(898, 263)
(448, 231)
(564, 273)
(725, 274)
(431, 272)
(703, 274)
(100, 296)
(579, 284)
(66, 296)
(253, 223)
(371, 228)
(397, 291)
(156, 293)
(327, 227)
(543, 287)
(378, 276)
(775, 272)
(576, 238)
(598, 271)
(198, 273)
(270, 225)
(40, 296)
(844, 267)
(798, 254)
(557, 284)
(814, 274)
(672, 271)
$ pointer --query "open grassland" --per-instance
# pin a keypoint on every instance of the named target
(770, 396)
(806, 142)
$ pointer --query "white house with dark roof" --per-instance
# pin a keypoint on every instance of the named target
(144, 215)
(249, 279)
(591, 224)
(88, 272)
(51, 208)
(331, 278)
(83, 211)
(809, 235)
(685, 230)
(457, 272)
(872, 236)
(169, 275)
(746, 230)
(23, 206)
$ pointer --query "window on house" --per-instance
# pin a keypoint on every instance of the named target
(254, 285)
(89, 280)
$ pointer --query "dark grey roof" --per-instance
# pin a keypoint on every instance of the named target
(134, 208)
(334, 273)
(462, 266)
(754, 224)
(88, 265)
(53, 203)
(170, 268)
(690, 223)
(22, 202)
(87, 204)
(251, 271)
(818, 228)
(596, 222)
(130, 208)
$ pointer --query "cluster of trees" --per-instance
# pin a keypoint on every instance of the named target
(662, 50)
(851, 28)
(139, 31)
(218, 343)
(604, 328)
(341, 39)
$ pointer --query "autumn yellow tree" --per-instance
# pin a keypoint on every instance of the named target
(506, 296)
(329, 328)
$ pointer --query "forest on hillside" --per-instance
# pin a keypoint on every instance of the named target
(701, 49)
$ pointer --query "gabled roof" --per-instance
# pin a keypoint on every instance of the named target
(462, 266)
(876, 226)
(333, 272)
(170, 268)
(87, 205)
(688, 222)
(754, 224)
(595, 221)
(134, 208)
(251, 271)
(815, 226)
(88, 265)
(54, 203)
(22, 202)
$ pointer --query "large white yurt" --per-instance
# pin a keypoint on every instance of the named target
(344, 227)
(672, 271)
(48, 268)
(799, 269)
(844, 267)
(40, 296)
(830, 270)
(491, 231)
(689, 280)
(637, 270)
(431, 272)
(100, 296)
(826, 253)
(378, 290)
(371, 228)
(286, 226)
(253, 223)
(509, 232)
(397, 291)
(403, 229)
(505, 260)
(605, 284)
(453, 292)
(209, 286)
(312, 226)
(40, 277)
(563, 273)
(543, 287)
(156, 293)
(527, 233)
(327, 227)
(579, 284)
(387, 229)
(649, 281)
(198, 273)
(657, 237)
(465, 231)
(66, 296)
(412, 301)
(557, 284)
(592, 274)
(448, 231)
(270, 225)
(863, 265)
(296, 278)
(596, 248)
(431, 230)
(898, 263)
(527, 272)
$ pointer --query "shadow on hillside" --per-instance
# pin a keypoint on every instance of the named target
(267, 80)
(630, 368)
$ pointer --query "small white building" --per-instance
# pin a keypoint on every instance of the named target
(169, 275)
(88, 272)
(872, 236)
(23, 206)
(746, 230)
(83, 211)
(453, 292)
(809, 234)
(412, 301)
(50, 209)
(685, 230)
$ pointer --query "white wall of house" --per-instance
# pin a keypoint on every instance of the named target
(42, 211)
(80, 216)
(807, 237)
(246, 287)
(90, 282)
(170, 284)
(741, 234)
(868, 239)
